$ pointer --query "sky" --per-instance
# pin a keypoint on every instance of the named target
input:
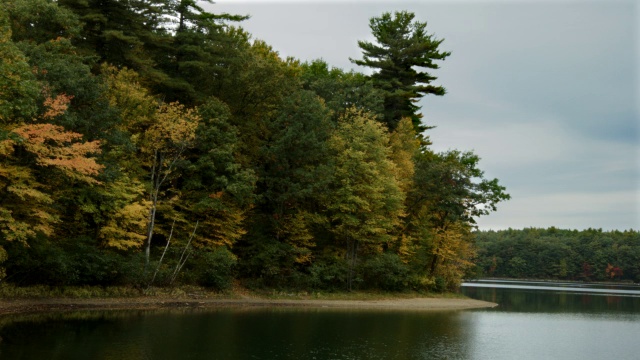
(545, 92)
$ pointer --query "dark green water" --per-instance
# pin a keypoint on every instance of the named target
(530, 324)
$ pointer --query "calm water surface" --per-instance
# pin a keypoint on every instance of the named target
(533, 321)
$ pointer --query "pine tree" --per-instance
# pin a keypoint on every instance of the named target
(402, 47)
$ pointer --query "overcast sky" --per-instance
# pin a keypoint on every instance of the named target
(546, 93)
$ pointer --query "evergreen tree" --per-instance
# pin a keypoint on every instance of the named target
(215, 190)
(292, 176)
(200, 54)
(19, 90)
(122, 33)
(342, 90)
(402, 47)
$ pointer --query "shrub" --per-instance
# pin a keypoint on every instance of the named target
(329, 274)
(216, 268)
(385, 272)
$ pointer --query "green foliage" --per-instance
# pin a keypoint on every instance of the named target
(19, 90)
(41, 21)
(216, 190)
(255, 88)
(217, 268)
(342, 90)
(365, 202)
(454, 188)
(329, 273)
(295, 172)
(385, 271)
(201, 52)
(402, 49)
(591, 255)
(125, 34)
(440, 284)
(72, 262)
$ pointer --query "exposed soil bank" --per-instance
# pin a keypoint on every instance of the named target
(19, 306)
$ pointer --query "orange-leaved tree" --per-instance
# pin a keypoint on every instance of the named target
(32, 154)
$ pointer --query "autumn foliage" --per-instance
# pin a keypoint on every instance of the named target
(137, 149)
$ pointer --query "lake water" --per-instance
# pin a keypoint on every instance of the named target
(533, 321)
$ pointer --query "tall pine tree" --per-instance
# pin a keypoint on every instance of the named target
(402, 47)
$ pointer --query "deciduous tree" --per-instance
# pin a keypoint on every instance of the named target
(364, 201)
(26, 152)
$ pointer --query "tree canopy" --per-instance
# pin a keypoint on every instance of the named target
(154, 142)
(552, 253)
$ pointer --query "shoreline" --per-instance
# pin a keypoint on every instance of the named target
(25, 306)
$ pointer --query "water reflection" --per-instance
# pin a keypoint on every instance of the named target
(528, 324)
(235, 334)
(556, 298)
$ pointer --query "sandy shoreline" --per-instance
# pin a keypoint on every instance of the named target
(22, 306)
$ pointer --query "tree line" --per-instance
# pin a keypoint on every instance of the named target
(151, 141)
(587, 255)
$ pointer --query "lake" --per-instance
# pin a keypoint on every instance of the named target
(534, 321)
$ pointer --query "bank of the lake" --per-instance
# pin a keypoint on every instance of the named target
(14, 306)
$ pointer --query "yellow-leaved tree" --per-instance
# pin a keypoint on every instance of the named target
(126, 204)
(161, 134)
(28, 155)
(364, 202)
(404, 146)
(173, 132)
(453, 253)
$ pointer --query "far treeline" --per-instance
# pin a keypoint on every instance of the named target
(152, 142)
(587, 255)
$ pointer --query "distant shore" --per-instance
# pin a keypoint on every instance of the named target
(21, 306)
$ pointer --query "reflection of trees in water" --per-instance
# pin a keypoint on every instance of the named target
(236, 334)
(549, 301)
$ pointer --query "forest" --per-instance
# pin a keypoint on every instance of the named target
(151, 142)
(587, 255)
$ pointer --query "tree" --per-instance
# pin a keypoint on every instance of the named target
(149, 163)
(215, 190)
(453, 188)
(122, 33)
(200, 54)
(453, 255)
(404, 148)
(342, 90)
(293, 175)
(45, 33)
(122, 205)
(26, 152)
(402, 47)
(19, 90)
(165, 143)
(39, 21)
(448, 193)
(364, 201)
(254, 90)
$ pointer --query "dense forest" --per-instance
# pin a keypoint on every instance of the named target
(588, 255)
(152, 142)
